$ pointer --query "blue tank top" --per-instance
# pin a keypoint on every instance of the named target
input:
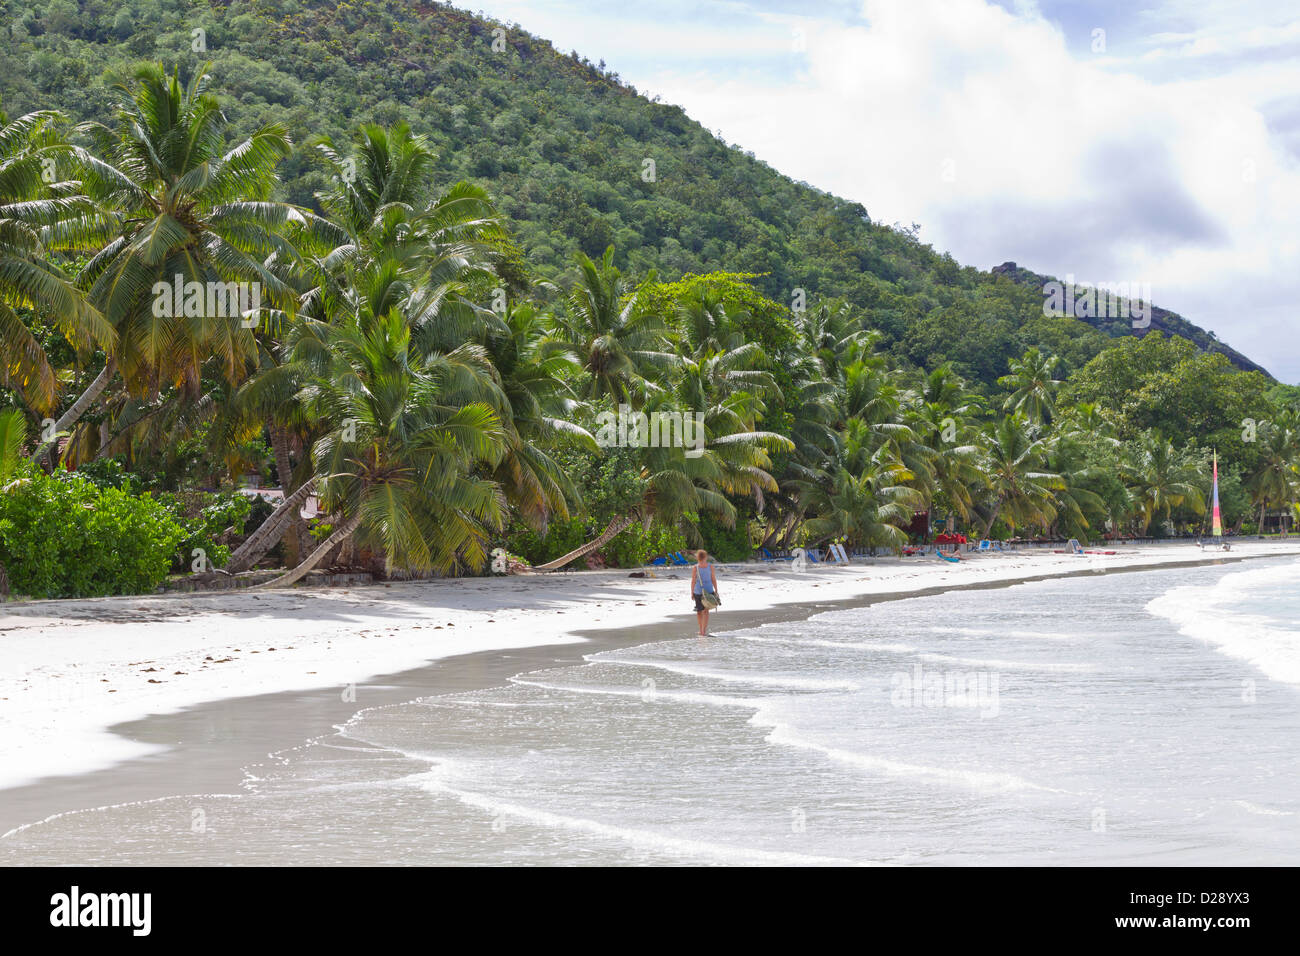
(703, 574)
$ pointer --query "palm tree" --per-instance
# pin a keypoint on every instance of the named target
(38, 218)
(1020, 488)
(1276, 480)
(1162, 477)
(1033, 385)
(538, 417)
(863, 497)
(185, 207)
(618, 343)
(389, 242)
(409, 431)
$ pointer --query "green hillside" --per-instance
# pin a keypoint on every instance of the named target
(576, 159)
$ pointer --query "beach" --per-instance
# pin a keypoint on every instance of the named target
(110, 702)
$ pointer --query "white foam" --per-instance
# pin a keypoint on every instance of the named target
(645, 839)
(1005, 665)
(944, 776)
(1213, 615)
(1007, 632)
(736, 677)
(1262, 811)
(689, 697)
(885, 646)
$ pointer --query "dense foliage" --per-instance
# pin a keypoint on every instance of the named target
(437, 369)
(64, 536)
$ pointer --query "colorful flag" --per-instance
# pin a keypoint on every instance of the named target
(1218, 522)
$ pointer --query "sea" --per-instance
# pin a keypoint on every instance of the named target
(1139, 718)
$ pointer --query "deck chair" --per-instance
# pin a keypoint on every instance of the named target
(986, 545)
(839, 552)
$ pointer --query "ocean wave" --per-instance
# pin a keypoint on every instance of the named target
(992, 782)
(735, 677)
(644, 839)
(1227, 616)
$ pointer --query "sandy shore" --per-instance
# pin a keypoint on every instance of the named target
(79, 678)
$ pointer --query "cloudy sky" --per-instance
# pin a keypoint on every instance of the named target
(1154, 142)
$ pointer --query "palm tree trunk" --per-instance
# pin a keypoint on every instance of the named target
(339, 536)
(261, 540)
(615, 527)
(73, 414)
(992, 518)
(1261, 516)
(293, 533)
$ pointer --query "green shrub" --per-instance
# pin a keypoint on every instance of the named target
(636, 545)
(723, 543)
(206, 517)
(561, 537)
(67, 537)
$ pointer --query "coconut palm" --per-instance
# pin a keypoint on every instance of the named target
(38, 217)
(1020, 489)
(539, 417)
(389, 242)
(1276, 480)
(863, 498)
(1162, 477)
(1033, 385)
(188, 207)
(620, 345)
(409, 431)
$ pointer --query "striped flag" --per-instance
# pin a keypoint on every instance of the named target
(1218, 522)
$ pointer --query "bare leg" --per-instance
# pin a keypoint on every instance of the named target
(702, 618)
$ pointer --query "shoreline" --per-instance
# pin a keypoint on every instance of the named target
(200, 745)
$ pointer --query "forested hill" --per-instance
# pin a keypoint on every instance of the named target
(1161, 320)
(576, 158)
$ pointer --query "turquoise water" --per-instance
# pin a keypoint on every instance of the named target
(1138, 718)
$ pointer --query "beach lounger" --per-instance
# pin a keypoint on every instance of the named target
(678, 559)
(658, 562)
(986, 545)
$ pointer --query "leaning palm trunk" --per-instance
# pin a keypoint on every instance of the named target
(262, 540)
(73, 414)
(293, 536)
(339, 536)
(997, 508)
(615, 528)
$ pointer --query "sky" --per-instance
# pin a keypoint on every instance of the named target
(1151, 142)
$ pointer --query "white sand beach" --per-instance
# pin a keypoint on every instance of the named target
(73, 669)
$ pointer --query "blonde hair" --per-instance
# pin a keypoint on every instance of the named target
(701, 554)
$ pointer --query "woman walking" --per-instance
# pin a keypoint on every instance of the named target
(704, 588)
